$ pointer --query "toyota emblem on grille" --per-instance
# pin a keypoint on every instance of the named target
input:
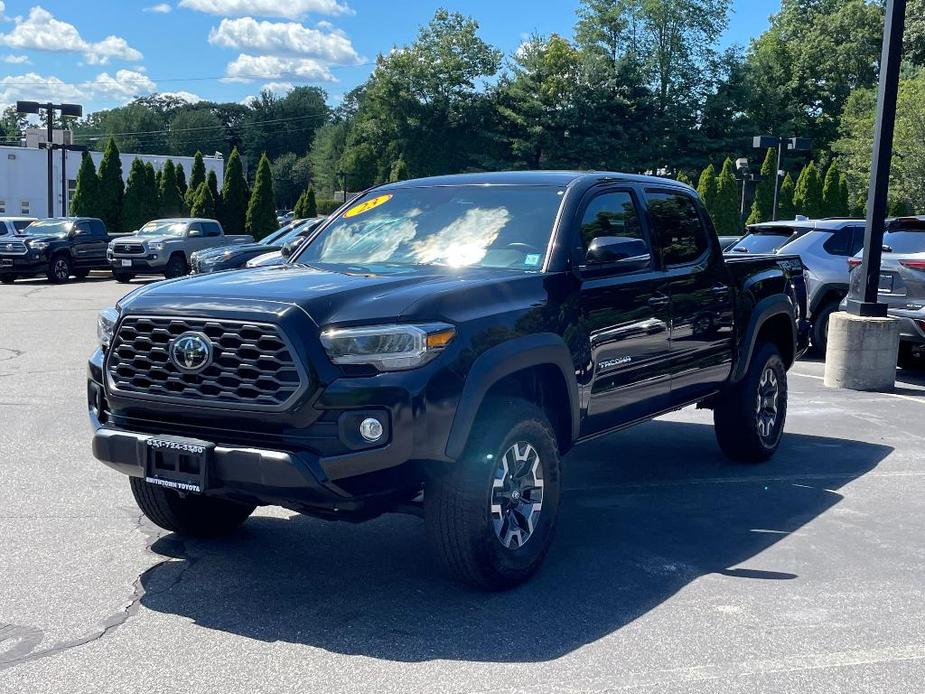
(191, 352)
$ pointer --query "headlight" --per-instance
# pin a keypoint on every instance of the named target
(38, 245)
(156, 246)
(105, 323)
(387, 347)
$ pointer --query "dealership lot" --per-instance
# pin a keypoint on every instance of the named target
(673, 571)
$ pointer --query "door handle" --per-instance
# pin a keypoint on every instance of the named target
(658, 301)
(720, 289)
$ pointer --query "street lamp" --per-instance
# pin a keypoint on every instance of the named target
(66, 110)
(794, 144)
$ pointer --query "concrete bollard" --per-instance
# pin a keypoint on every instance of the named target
(861, 352)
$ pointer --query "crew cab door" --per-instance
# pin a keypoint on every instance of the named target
(88, 246)
(702, 331)
(623, 312)
(196, 238)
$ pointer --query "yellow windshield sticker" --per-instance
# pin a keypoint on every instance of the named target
(366, 206)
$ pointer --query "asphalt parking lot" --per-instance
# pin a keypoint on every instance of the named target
(673, 570)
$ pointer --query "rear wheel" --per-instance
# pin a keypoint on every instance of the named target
(909, 359)
(194, 515)
(123, 277)
(749, 416)
(820, 333)
(490, 517)
(176, 266)
(59, 269)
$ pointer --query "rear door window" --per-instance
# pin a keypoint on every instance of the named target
(212, 229)
(677, 226)
(839, 242)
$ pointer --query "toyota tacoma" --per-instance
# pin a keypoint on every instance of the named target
(436, 347)
(58, 247)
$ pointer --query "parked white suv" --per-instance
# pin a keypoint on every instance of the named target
(14, 225)
(824, 246)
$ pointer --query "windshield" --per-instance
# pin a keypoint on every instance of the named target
(49, 227)
(277, 235)
(455, 226)
(905, 241)
(767, 240)
(163, 229)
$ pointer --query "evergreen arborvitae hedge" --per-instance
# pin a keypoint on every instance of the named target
(135, 204)
(311, 204)
(831, 195)
(85, 202)
(261, 210)
(182, 185)
(196, 179)
(203, 202)
(112, 189)
(706, 187)
(234, 196)
(152, 195)
(169, 194)
(785, 199)
(726, 209)
(298, 211)
(762, 207)
(807, 197)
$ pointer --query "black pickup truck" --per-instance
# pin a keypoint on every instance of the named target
(58, 248)
(437, 346)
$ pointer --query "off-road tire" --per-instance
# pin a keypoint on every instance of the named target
(176, 266)
(60, 268)
(741, 415)
(463, 527)
(192, 514)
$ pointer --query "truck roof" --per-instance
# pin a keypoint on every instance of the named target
(526, 178)
(178, 220)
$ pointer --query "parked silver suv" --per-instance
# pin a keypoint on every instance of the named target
(824, 246)
(902, 284)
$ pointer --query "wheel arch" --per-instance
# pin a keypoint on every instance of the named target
(771, 321)
(826, 294)
(538, 368)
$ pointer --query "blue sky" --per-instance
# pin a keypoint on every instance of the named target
(102, 53)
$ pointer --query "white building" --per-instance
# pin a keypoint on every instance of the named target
(24, 176)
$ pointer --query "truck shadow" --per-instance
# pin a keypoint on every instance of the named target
(642, 519)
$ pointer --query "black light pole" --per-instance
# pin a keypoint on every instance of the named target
(795, 144)
(863, 300)
(33, 107)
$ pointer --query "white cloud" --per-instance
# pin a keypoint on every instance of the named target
(289, 9)
(188, 97)
(120, 88)
(279, 88)
(284, 39)
(246, 67)
(160, 8)
(16, 59)
(42, 31)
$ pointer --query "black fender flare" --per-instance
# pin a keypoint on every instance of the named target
(764, 310)
(822, 295)
(503, 360)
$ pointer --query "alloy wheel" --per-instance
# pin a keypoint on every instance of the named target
(767, 403)
(517, 495)
(62, 271)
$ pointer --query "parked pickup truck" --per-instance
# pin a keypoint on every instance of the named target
(164, 246)
(437, 347)
(59, 248)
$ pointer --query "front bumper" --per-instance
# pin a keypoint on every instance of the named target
(139, 264)
(29, 264)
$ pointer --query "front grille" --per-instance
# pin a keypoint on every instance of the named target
(128, 248)
(13, 248)
(253, 365)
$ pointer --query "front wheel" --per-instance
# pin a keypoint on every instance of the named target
(749, 416)
(193, 515)
(176, 266)
(59, 269)
(909, 359)
(490, 517)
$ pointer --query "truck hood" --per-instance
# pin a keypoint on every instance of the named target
(340, 297)
(133, 238)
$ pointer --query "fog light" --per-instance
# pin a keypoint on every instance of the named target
(371, 429)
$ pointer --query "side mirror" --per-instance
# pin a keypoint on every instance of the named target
(194, 233)
(289, 247)
(626, 253)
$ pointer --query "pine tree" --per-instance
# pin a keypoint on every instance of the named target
(85, 202)
(203, 203)
(152, 196)
(134, 207)
(212, 182)
(112, 189)
(706, 187)
(311, 204)
(786, 210)
(399, 171)
(844, 199)
(298, 212)
(831, 195)
(234, 196)
(182, 185)
(197, 178)
(261, 210)
(726, 213)
(807, 196)
(169, 194)
(763, 205)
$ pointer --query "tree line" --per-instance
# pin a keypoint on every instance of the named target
(634, 85)
(164, 193)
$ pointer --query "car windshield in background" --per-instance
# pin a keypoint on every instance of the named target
(293, 232)
(276, 235)
(767, 240)
(456, 226)
(48, 227)
(905, 241)
(163, 229)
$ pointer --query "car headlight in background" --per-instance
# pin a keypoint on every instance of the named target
(387, 347)
(105, 324)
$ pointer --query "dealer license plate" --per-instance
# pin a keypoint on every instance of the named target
(126, 263)
(178, 463)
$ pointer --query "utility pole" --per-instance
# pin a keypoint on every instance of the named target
(33, 107)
